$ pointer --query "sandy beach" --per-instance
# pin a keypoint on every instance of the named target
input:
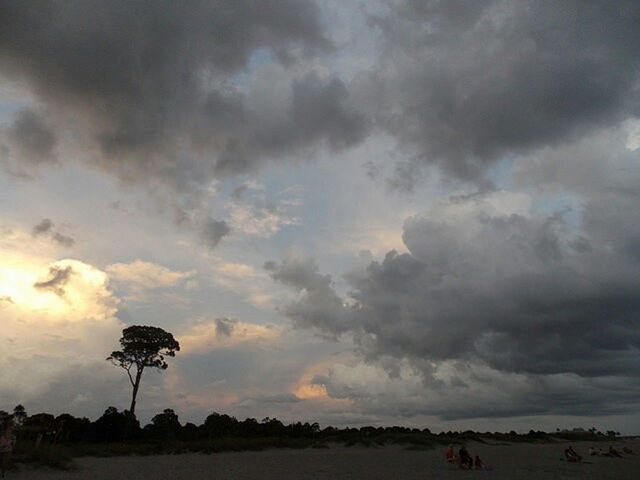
(514, 461)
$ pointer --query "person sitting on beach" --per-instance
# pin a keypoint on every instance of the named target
(572, 455)
(478, 464)
(614, 453)
(465, 459)
(450, 455)
(7, 442)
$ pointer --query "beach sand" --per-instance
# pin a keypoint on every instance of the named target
(512, 462)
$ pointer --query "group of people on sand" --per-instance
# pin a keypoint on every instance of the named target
(612, 452)
(464, 460)
(572, 456)
(7, 442)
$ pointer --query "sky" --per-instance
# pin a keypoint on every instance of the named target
(401, 212)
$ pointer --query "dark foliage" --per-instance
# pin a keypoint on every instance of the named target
(53, 441)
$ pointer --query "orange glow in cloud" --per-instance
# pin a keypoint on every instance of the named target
(305, 389)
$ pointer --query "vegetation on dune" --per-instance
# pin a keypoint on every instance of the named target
(46, 440)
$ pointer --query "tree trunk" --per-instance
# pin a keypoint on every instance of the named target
(136, 385)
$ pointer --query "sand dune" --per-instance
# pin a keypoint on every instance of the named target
(512, 462)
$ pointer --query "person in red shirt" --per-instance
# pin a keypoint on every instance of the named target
(451, 455)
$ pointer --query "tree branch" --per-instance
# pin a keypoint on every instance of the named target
(128, 370)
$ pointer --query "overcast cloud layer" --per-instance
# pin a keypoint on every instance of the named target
(442, 197)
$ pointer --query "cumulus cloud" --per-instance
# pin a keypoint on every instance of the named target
(466, 82)
(48, 339)
(486, 281)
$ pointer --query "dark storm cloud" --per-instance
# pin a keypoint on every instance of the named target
(520, 293)
(213, 231)
(33, 137)
(483, 394)
(29, 142)
(466, 82)
(155, 85)
(160, 88)
(59, 277)
(315, 111)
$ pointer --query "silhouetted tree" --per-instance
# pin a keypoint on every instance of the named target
(71, 429)
(143, 346)
(114, 425)
(19, 415)
(220, 425)
(165, 424)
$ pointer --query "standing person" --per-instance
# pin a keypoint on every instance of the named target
(450, 455)
(7, 442)
(465, 458)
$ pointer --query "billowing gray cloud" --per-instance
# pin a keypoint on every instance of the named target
(482, 286)
(319, 305)
(488, 283)
(466, 82)
(156, 87)
(160, 93)
(59, 277)
(477, 392)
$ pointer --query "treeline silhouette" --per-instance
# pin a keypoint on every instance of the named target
(54, 441)
(122, 426)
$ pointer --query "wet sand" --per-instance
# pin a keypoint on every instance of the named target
(508, 462)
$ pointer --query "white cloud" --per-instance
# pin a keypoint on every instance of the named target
(146, 275)
(253, 214)
(205, 335)
(252, 284)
